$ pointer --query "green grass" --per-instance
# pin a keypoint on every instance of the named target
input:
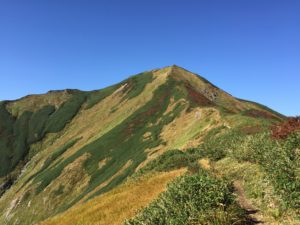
(57, 153)
(43, 177)
(200, 198)
(96, 96)
(138, 83)
(134, 86)
(58, 120)
(37, 123)
(269, 168)
(257, 186)
(279, 159)
(170, 160)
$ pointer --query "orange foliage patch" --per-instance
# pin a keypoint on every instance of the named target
(283, 130)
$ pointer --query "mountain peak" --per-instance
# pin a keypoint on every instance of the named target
(173, 67)
(76, 145)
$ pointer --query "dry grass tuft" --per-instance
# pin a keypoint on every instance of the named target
(117, 205)
(205, 163)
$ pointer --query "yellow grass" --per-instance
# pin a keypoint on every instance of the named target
(205, 163)
(186, 131)
(117, 205)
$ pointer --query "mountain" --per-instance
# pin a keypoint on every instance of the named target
(64, 150)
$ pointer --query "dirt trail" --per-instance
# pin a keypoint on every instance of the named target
(255, 217)
(254, 214)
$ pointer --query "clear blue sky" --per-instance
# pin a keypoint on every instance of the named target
(250, 48)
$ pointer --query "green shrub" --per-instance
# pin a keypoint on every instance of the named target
(280, 159)
(189, 199)
(170, 160)
(217, 146)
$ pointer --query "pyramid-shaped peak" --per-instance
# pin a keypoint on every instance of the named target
(174, 67)
(179, 72)
(174, 70)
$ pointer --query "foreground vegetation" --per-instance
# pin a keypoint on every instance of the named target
(199, 198)
(80, 145)
(266, 162)
(280, 159)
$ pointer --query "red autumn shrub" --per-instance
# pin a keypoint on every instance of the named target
(283, 130)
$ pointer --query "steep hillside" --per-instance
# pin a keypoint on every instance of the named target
(64, 148)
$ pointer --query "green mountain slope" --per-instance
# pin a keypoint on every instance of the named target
(66, 147)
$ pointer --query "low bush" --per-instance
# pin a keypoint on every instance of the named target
(170, 160)
(280, 159)
(193, 199)
(219, 145)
